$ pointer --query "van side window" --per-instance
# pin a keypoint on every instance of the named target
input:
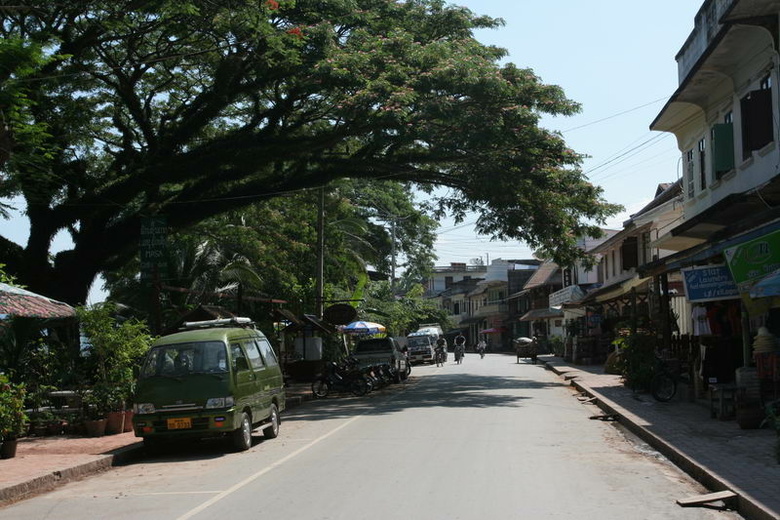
(255, 360)
(268, 353)
(235, 354)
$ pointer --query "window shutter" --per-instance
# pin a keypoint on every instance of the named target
(756, 121)
(630, 253)
(723, 148)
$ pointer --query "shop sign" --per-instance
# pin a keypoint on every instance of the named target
(709, 283)
(753, 260)
(152, 247)
(565, 295)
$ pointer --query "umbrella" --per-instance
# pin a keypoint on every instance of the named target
(363, 327)
(523, 339)
(767, 286)
(15, 301)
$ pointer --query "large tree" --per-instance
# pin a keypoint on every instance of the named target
(265, 251)
(192, 108)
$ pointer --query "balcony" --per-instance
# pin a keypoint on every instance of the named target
(492, 309)
(706, 29)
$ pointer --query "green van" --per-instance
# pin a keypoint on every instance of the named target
(217, 377)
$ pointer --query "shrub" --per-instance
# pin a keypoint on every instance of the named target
(12, 415)
(637, 360)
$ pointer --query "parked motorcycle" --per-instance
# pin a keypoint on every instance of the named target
(344, 377)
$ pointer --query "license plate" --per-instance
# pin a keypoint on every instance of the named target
(179, 423)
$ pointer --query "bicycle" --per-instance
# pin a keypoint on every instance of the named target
(663, 386)
(458, 356)
(439, 357)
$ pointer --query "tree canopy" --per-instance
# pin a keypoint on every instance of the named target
(193, 108)
(264, 252)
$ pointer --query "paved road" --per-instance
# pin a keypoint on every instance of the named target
(485, 439)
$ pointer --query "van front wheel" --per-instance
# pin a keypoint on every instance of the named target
(242, 437)
(272, 430)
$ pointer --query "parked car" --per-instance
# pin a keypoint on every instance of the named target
(217, 377)
(382, 351)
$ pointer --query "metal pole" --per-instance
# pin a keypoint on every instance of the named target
(320, 254)
(392, 256)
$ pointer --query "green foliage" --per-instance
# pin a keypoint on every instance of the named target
(636, 359)
(5, 277)
(557, 345)
(12, 411)
(115, 349)
(404, 314)
(192, 110)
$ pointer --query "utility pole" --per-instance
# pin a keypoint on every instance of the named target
(392, 256)
(321, 254)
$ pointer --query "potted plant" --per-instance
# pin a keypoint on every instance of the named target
(39, 422)
(12, 416)
(97, 405)
(115, 349)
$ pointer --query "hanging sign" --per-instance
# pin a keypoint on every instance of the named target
(753, 260)
(709, 283)
(154, 237)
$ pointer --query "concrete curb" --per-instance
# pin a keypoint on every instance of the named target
(56, 478)
(745, 506)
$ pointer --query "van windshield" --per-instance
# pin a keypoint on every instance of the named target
(418, 341)
(200, 357)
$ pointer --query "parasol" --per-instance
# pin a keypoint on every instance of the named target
(523, 339)
(363, 327)
(767, 286)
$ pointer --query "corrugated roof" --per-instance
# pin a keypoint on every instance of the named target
(15, 301)
(542, 275)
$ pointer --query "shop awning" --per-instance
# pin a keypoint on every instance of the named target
(469, 321)
(541, 314)
(614, 291)
(493, 330)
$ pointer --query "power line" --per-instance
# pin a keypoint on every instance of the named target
(615, 115)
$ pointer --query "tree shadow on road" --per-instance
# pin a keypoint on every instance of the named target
(439, 391)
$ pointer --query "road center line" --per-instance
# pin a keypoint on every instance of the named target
(262, 472)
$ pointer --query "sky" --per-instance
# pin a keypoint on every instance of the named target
(617, 59)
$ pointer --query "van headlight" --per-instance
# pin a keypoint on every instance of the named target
(143, 408)
(219, 402)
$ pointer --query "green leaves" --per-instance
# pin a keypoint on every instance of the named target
(195, 109)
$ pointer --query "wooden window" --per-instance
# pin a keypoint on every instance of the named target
(629, 252)
(703, 164)
(689, 167)
(757, 126)
(614, 263)
(722, 148)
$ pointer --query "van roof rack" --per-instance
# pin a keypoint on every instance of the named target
(221, 322)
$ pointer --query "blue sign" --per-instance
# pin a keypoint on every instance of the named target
(709, 283)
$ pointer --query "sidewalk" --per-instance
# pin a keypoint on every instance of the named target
(717, 453)
(43, 463)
